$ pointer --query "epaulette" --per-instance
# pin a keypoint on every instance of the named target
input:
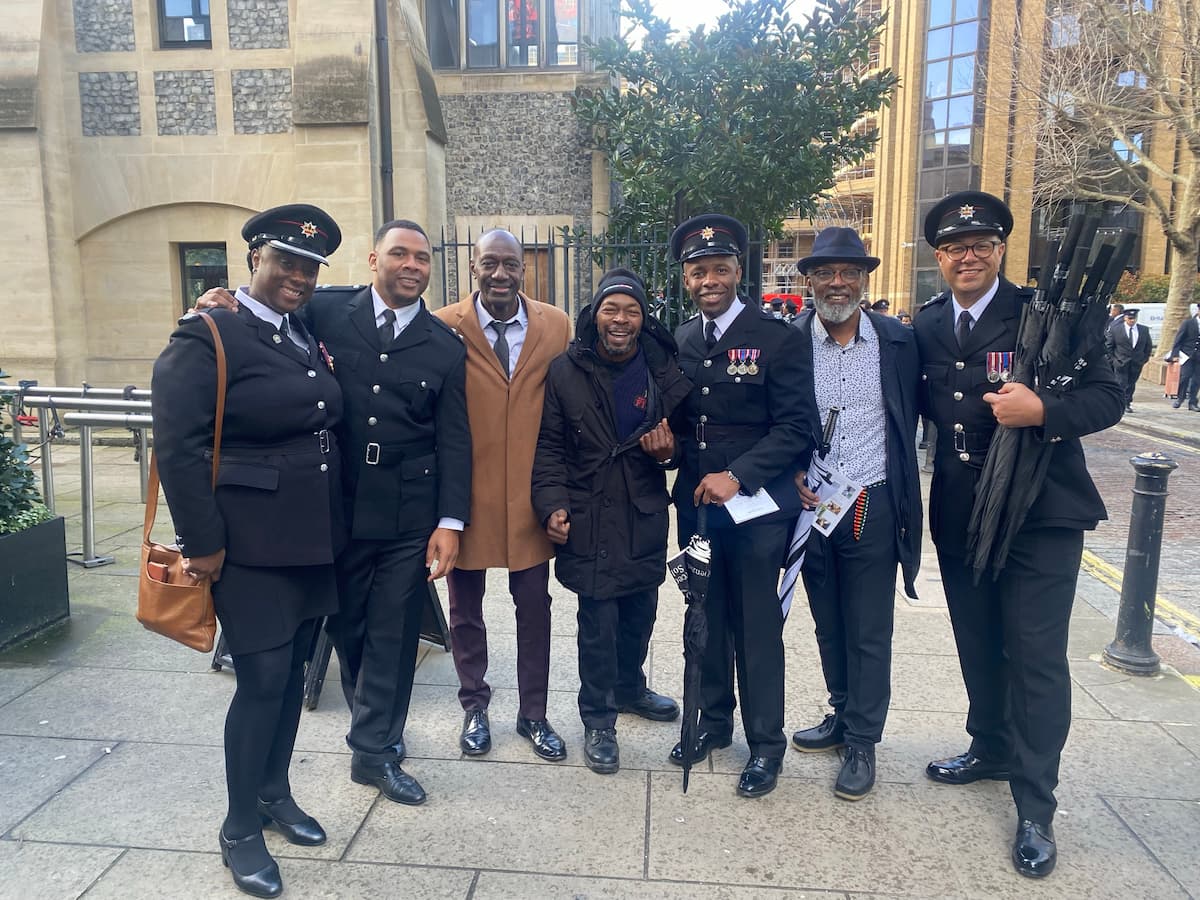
(934, 301)
(333, 291)
(1025, 293)
(442, 325)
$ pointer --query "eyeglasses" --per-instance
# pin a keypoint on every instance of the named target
(826, 276)
(982, 250)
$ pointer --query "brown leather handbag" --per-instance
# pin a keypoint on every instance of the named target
(170, 602)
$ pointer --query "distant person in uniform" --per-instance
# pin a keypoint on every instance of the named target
(1187, 340)
(881, 306)
(269, 532)
(1011, 631)
(749, 421)
(1130, 348)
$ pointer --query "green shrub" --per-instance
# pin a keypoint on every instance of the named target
(20, 502)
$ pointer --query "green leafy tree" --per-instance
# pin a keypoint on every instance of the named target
(753, 118)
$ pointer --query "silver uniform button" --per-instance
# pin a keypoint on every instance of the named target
(958, 426)
(704, 391)
(707, 363)
(960, 365)
(702, 445)
(924, 377)
(383, 357)
(965, 457)
(312, 374)
(375, 388)
(324, 467)
(372, 421)
(422, 385)
(958, 395)
(320, 404)
(704, 418)
(738, 380)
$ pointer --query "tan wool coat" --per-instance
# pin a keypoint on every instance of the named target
(505, 417)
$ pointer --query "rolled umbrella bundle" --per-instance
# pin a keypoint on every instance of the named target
(691, 570)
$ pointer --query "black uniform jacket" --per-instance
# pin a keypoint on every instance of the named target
(899, 376)
(405, 438)
(1122, 351)
(952, 388)
(278, 500)
(762, 427)
(1187, 338)
(615, 493)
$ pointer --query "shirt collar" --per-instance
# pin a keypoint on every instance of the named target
(404, 315)
(978, 306)
(725, 319)
(260, 309)
(486, 318)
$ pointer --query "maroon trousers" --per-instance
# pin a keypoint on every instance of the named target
(530, 589)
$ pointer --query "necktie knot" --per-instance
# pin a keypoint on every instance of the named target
(387, 331)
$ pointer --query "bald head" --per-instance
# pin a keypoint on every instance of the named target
(498, 265)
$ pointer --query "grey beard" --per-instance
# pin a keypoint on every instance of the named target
(833, 313)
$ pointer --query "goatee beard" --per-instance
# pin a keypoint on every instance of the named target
(834, 313)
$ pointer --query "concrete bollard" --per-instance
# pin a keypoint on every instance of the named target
(1131, 650)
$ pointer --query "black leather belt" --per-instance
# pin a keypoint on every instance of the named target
(323, 439)
(963, 442)
(706, 432)
(394, 454)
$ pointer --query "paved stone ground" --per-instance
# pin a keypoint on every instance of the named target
(111, 782)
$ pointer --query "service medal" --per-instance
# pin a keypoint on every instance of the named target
(733, 366)
(742, 368)
(752, 368)
(999, 366)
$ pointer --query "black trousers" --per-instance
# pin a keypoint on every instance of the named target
(1189, 381)
(383, 594)
(614, 637)
(1012, 646)
(745, 632)
(1128, 374)
(851, 587)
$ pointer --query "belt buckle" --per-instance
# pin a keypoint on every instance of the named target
(372, 454)
(323, 440)
(699, 432)
(960, 442)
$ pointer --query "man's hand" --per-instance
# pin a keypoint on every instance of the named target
(1016, 406)
(716, 487)
(215, 298)
(201, 567)
(808, 499)
(659, 442)
(558, 526)
(442, 553)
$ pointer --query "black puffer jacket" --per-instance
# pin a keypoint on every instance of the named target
(615, 493)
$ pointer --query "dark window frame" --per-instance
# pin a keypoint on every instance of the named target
(184, 249)
(165, 44)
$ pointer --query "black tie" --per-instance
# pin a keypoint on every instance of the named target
(1131, 343)
(285, 334)
(501, 345)
(963, 331)
(710, 334)
(387, 331)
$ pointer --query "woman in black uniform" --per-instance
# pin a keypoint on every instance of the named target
(274, 523)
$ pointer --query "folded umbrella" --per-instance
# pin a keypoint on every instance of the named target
(691, 570)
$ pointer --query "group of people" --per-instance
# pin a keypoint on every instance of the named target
(371, 446)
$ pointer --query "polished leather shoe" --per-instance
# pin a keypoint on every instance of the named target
(759, 777)
(829, 735)
(1034, 853)
(296, 826)
(401, 750)
(393, 782)
(1177, 403)
(476, 737)
(652, 706)
(600, 750)
(706, 743)
(244, 857)
(857, 776)
(965, 769)
(1192, 407)
(546, 742)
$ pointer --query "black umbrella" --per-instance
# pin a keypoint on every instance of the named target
(691, 570)
(1059, 329)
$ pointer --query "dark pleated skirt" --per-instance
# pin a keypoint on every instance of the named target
(261, 607)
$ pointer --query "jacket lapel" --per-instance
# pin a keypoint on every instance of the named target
(477, 342)
(270, 335)
(416, 332)
(362, 314)
(534, 333)
(887, 373)
(994, 321)
(944, 327)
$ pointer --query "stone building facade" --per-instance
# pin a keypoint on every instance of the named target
(134, 144)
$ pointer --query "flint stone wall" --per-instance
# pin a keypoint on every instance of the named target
(103, 25)
(262, 101)
(185, 102)
(108, 103)
(257, 24)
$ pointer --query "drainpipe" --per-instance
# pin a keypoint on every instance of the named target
(383, 63)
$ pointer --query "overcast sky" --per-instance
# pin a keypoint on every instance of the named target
(687, 14)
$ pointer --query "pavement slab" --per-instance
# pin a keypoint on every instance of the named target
(1168, 829)
(515, 886)
(15, 680)
(32, 871)
(32, 770)
(1188, 735)
(1137, 759)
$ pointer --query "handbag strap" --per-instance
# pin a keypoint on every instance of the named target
(152, 480)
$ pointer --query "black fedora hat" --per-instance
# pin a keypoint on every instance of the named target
(838, 245)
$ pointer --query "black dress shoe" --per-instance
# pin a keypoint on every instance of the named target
(1192, 407)
(965, 769)
(393, 782)
(829, 735)
(253, 869)
(296, 826)
(401, 750)
(706, 743)
(476, 737)
(759, 777)
(858, 774)
(546, 742)
(600, 750)
(652, 706)
(1033, 852)
(1178, 403)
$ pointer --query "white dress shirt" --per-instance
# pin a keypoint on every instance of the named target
(514, 334)
(725, 319)
(977, 308)
(404, 315)
(268, 315)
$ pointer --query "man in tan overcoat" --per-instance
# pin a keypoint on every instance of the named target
(510, 340)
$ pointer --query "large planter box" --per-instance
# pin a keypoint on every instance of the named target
(33, 580)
